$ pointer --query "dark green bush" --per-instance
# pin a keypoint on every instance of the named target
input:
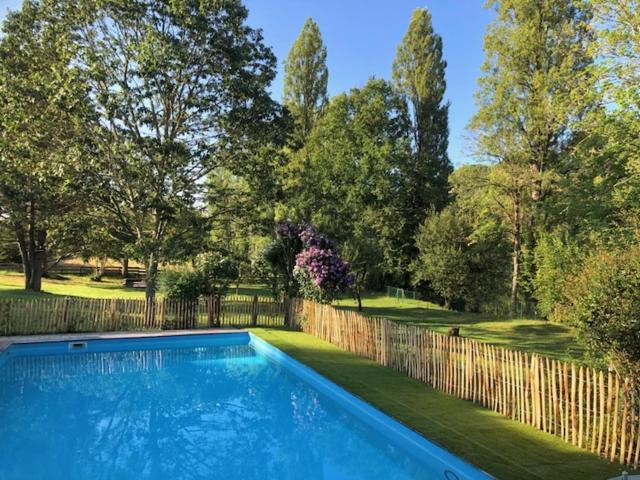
(467, 267)
(603, 302)
(182, 284)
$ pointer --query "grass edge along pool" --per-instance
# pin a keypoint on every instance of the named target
(425, 451)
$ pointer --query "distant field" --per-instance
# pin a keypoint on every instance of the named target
(11, 286)
(531, 335)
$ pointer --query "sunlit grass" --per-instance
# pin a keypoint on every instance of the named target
(11, 286)
(504, 448)
(531, 335)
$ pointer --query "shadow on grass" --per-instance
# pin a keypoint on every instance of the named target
(499, 445)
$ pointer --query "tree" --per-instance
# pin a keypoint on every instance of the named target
(305, 79)
(462, 263)
(618, 125)
(535, 86)
(44, 142)
(349, 185)
(180, 88)
(536, 82)
(419, 74)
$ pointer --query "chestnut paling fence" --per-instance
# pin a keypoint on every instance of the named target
(594, 410)
(70, 314)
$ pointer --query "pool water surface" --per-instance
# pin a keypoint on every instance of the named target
(225, 406)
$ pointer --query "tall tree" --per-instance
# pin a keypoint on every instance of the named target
(350, 185)
(419, 73)
(180, 87)
(535, 85)
(305, 78)
(43, 137)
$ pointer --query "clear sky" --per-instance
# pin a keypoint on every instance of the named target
(362, 36)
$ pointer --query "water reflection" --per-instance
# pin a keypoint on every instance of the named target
(184, 413)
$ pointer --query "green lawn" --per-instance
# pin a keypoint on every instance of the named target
(11, 286)
(556, 341)
(531, 335)
(502, 447)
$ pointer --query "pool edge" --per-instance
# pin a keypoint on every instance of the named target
(407, 437)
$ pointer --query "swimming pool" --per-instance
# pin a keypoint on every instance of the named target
(227, 406)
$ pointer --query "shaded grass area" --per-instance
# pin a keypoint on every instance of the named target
(531, 335)
(504, 448)
(11, 286)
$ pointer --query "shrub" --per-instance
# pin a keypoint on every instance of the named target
(603, 302)
(467, 267)
(307, 262)
(217, 271)
(557, 257)
(321, 273)
(181, 284)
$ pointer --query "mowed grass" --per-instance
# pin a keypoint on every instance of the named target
(552, 340)
(11, 286)
(531, 335)
(502, 447)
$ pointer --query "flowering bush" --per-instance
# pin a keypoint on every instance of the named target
(321, 273)
(308, 263)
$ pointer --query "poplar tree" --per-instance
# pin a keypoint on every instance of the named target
(305, 80)
(419, 74)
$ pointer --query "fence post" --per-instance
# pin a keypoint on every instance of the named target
(287, 313)
(210, 312)
(254, 311)
(65, 313)
(217, 310)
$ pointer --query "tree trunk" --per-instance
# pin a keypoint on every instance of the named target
(32, 251)
(515, 257)
(151, 277)
(124, 268)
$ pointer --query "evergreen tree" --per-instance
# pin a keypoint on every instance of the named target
(305, 81)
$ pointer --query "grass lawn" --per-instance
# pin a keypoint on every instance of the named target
(550, 339)
(556, 341)
(500, 446)
(11, 286)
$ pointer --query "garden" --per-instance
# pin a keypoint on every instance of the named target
(165, 168)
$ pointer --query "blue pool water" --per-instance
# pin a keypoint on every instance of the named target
(204, 407)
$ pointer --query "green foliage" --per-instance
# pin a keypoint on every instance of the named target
(305, 79)
(466, 268)
(184, 284)
(181, 90)
(44, 140)
(557, 258)
(217, 271)
(419, 74)
(603, 302)
(348, 176)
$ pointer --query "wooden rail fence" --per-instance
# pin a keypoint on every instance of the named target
(595, 410)
(70, 314)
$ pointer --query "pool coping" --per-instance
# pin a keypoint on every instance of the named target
(7, 341)
(383, 422)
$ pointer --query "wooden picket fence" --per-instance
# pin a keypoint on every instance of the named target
(595, 410)
(71, 314)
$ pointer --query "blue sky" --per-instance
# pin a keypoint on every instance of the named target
(362, 36)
